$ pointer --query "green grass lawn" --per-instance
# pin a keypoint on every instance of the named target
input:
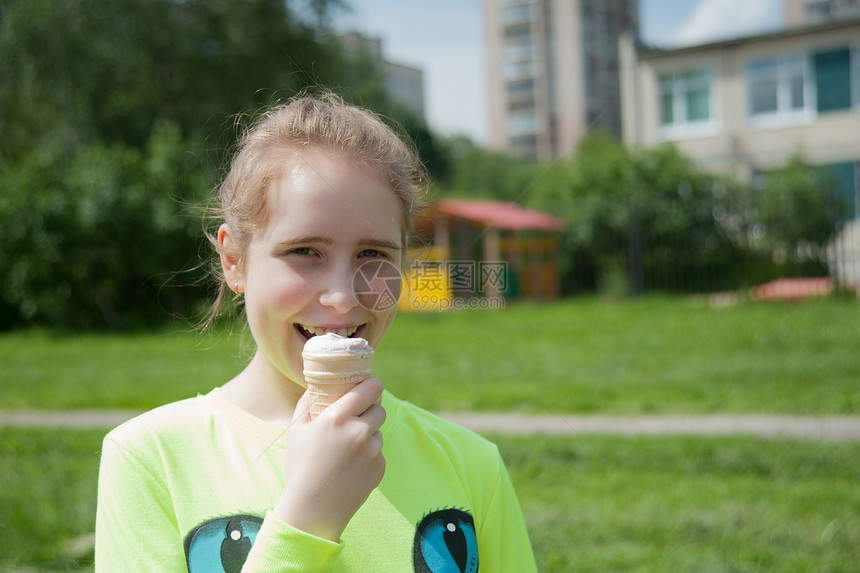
(688, 504)
(580, 356)
(48, 493)
(592, 504)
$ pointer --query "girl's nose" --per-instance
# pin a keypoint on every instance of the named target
(338, 292)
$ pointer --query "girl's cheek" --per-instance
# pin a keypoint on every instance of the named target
(289, 290)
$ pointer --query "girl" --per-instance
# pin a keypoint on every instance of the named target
(214, 483)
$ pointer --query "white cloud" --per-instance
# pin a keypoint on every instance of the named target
(722, 19)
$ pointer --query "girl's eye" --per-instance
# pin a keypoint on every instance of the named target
(371, 253)
(301, 251)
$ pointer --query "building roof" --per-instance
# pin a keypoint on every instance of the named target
(497, 214)
(650, 52)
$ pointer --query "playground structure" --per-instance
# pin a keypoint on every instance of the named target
(474, 249)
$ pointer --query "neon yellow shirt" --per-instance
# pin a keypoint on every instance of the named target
(189, 485)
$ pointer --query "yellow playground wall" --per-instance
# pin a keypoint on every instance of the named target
(422, 288)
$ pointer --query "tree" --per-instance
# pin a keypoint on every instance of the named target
(78, 71)
(638, 216)
(93, 239)
(115, 114)
(476, 172)
(798, 206)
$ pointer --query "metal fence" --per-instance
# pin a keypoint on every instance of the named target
(641, 264)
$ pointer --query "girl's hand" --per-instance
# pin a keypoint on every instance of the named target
(334, 462)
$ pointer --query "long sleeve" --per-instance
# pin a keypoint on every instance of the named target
(281, 548)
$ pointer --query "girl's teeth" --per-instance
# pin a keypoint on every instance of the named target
(316, 331)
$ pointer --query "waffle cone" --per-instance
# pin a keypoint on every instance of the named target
(329, 376)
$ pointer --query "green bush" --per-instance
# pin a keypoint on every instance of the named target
(798, 207)
(637, 218)
(93, 238)
(645, 220)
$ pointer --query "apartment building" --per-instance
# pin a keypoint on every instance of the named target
(552, 71)
(402, 84)
(748, 104)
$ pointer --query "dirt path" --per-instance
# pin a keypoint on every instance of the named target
(831, 428)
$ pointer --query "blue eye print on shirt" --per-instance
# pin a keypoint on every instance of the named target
(221, 545)
(445, 542)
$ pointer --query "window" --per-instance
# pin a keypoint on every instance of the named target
(522, 124)
(518, 50)
(819, 11)
(510, 3)
(517, 14)
(519, 70)
(523, 105)
(523, 30)
(846, 177)
(777, 88)
(685, 98)
(524, 146)
(833, 80)
(520, 88)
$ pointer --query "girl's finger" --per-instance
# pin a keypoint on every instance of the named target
(374, 417)
(355, 402)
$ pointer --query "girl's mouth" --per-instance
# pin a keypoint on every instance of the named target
(309, 332)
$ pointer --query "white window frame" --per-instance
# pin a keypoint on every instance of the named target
(687, 129)
(784, 115)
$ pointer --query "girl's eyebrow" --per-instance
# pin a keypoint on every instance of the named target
(366, 242)
(305, 241)
(381, 243)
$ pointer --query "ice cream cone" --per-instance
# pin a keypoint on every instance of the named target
(332, 366)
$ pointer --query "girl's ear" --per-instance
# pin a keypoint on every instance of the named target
(230, 262)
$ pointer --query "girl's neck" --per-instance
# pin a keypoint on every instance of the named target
(263, 392)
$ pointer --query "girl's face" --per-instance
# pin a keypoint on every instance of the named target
(326, 218)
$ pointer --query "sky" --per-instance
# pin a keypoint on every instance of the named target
(445, 39)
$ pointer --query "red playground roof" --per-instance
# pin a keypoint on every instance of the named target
(498, 214)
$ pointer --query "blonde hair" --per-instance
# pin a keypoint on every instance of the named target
(323, 122)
